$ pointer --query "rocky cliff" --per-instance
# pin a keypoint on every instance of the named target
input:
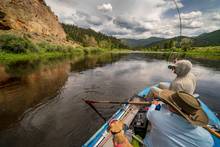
(30, 16)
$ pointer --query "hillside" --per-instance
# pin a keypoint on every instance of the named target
(89, 37)
(167, 43)
(138, 43)
(206, 39)
(30, 16)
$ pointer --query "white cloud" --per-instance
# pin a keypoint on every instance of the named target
(191, 15)
(216, 16)
(169, 4)
(134, 19)
(191, 20)
(106, 7)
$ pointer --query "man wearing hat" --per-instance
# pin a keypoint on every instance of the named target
(185, 80)
(178, 121)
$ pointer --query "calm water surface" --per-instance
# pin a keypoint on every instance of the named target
(41, 101)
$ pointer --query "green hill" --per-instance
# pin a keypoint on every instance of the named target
(167, 43)
(208, 39)
(138, 43)
(89, 37)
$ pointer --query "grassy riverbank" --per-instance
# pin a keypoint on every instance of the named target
(7, 57)
(14, 48)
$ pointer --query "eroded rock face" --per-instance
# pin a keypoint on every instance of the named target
(32, 16)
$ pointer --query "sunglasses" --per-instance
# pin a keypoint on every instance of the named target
(171, 67)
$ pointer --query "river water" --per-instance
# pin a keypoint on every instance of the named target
(41, 101)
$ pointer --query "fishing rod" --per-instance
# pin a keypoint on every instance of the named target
(180, 28)
(180, 21)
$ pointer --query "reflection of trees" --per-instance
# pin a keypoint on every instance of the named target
(166, 56)
(25, 84)
(22, 68)
(214, 64)
(90, 62)
(18, 93)
(199, 59)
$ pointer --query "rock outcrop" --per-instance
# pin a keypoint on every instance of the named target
(30, 16)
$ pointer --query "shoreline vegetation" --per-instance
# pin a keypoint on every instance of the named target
(14, 48)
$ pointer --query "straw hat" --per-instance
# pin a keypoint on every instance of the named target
(187, 106)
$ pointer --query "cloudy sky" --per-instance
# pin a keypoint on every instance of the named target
(139, 18)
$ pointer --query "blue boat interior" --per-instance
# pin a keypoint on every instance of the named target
(213, 121)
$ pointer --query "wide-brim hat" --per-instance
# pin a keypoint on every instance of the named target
(186, 105)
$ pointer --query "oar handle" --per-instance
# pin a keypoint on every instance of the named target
(117, 102)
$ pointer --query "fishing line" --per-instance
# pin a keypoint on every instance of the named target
(180, 29)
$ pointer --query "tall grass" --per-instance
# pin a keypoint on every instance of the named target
(14, 48)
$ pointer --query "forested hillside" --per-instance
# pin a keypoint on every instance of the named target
(154, 43)
(89, 37)
(140, 43)
(206, 39)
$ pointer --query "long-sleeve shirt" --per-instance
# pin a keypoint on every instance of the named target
(171, 130)
(186, 83)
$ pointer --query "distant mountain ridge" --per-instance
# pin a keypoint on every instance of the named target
(208, 39)
(137, 43)
(205, 39)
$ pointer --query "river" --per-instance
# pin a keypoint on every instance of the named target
(41, 101)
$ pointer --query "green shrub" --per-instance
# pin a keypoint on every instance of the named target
(15, 44)
(46, 47)
(92, 50)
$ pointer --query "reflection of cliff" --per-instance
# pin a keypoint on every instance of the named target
(4, 76)
(17, 94)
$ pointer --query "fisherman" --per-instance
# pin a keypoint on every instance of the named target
(177, 122)
(184, 81)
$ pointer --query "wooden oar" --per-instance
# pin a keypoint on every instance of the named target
(117, 102)
(212, 131)
(90, 102)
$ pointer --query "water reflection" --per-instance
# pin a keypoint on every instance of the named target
(20, 91)
(65, 120)
(26, 83)
(92, 61)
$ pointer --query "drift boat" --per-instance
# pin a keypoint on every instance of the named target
(134, 117)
